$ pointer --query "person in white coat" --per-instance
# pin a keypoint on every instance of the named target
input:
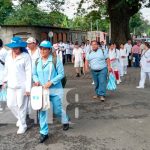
(3, 54)
(18, 73)
(123, 60)
(77, 59)
(34, 52)
(114, 60)
(145, 65)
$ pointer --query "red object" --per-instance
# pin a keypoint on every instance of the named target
(116, 73)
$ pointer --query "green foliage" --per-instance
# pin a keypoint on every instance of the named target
(138, 25)
(29, 14)
(135, 21)
(5, 10)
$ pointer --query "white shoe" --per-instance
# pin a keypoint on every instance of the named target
(93, 83)
(118, 82)
(21, 130)
(140, 87)
(18, 123)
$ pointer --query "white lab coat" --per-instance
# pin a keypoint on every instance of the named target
(3, 54)
(34, 55)
(114, 54)
(145, 61)
(145, 67)
(18, 73)
(123, 61)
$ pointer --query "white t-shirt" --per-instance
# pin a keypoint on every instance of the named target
(67, 47)
(128, 47)
(34, 55)
(87, 48)
(78, 54)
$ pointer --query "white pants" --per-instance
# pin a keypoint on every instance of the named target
(143, 78)
(123, 70)
(17, 103)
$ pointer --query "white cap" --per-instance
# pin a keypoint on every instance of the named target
(31, 40)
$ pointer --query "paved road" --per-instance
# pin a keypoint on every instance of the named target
(121, 123)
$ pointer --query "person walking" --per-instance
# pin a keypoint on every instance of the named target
(145, 65)
(41, 77)
(136, 54)
(18, 74)
(34, 53)
(128, 47)
(3, 54)
(77, 59)
(114, 60)
(123, 60)
(99, 64)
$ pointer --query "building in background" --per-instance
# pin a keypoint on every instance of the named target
(97, 35)
(41, 33)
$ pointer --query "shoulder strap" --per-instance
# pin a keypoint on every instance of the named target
(36, 62)
(54, 60)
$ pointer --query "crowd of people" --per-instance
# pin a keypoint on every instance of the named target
(27, 64)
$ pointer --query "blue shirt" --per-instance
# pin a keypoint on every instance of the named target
(97, 59)
(41, 74)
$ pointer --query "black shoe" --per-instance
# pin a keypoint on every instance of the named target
(78, 75)
(66, 126)
(29, 122)
(43, 138)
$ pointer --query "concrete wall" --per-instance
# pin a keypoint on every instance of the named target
(40, 33)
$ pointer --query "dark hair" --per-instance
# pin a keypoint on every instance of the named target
(1, 43)
(147, 44)
(23, 49)
(76, 43)
(99, 43)
(94, 41)
(83, 43)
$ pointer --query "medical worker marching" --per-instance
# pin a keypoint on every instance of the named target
(34, 53)
(114, 60)
(18, 73)
(145, 65)
(3, 54)
(41, 73)
(123, 60)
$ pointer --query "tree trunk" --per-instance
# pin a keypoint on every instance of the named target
(120, 32)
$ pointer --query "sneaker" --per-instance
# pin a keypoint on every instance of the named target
(43, 138)
(78, 75)
(29, 121)
(140, 87)
(95, 97)
(66, 126)
(93, 83)
(118, 82)
(18, 123)
(102, 98)
(21, 130)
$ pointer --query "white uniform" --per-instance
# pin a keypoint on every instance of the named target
(3, 54)
(87, 48)
(18, 73)
(34, 56)
(128, 47)
(123, 61)
(78, 53)
(114, 54)
(145, 67)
